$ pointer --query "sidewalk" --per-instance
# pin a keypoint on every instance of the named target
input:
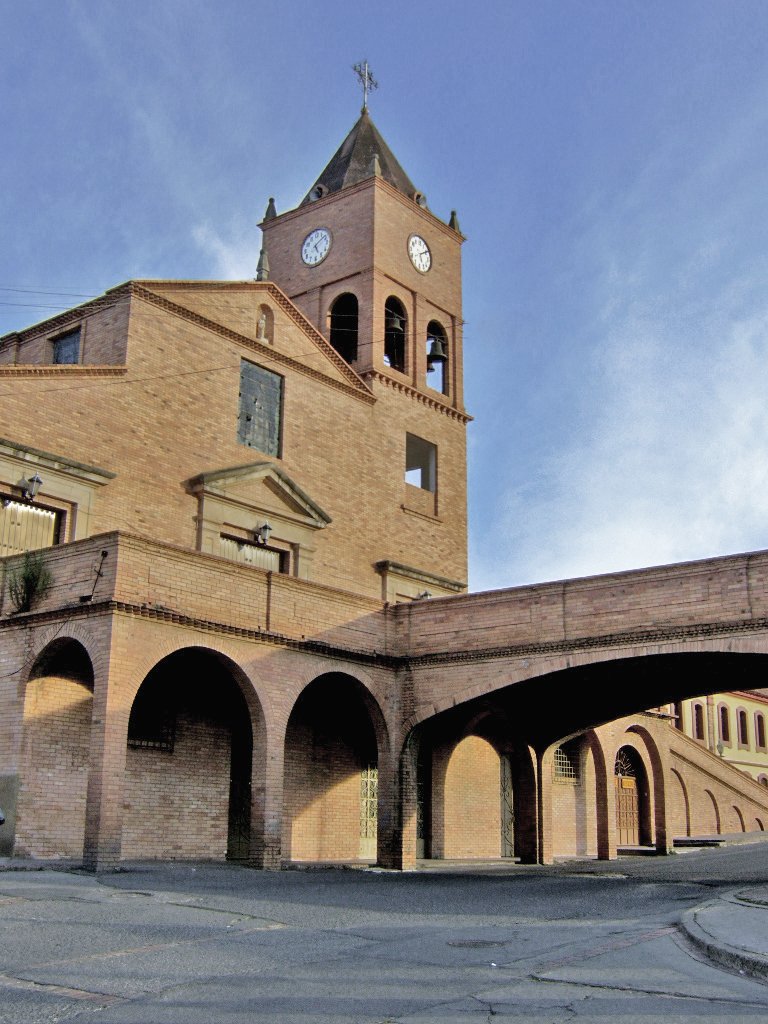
(732, 930)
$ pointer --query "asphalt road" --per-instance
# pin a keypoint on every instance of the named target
(181, 944)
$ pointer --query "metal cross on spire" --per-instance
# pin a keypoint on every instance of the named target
(367, 81)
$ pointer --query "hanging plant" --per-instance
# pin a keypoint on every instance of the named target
(29, 582)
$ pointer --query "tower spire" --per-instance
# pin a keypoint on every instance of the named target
(367, 81)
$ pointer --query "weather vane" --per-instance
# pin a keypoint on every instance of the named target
(367, 80)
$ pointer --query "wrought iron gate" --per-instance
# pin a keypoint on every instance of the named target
(507, 809)
(369, 797)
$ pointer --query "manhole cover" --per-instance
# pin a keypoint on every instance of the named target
(475, 943)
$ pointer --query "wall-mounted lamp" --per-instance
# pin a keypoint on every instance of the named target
(29, 488)
(261, 534)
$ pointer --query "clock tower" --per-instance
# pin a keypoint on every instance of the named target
(367, 262)
(373, 268)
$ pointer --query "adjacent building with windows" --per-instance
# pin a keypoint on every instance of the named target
(733, 725)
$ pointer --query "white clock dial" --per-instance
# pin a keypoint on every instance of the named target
(419, 252)
(316, 246)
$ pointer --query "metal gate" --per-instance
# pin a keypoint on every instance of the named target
(507, 810)
(369, 797)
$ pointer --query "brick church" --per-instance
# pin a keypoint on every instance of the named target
(233, 619)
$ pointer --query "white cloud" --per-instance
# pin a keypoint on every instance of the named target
(233, 260)
(673, 466)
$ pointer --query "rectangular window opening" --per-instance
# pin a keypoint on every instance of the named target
(567, 762)
(66, 348)
(26, 527)
(260, 414)
(247, 553)
(420, 463)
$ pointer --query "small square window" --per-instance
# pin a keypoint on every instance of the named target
(66, 348)
(420, 463)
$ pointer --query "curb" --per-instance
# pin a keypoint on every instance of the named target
(751, 964)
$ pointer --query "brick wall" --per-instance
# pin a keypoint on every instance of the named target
(466, 815)
(54, 768)
(176, 804)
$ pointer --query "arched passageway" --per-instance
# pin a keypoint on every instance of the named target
(475, 790)
(56, 735)
(330, 796)
(189, 761)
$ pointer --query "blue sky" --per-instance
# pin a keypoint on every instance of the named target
(608, 160)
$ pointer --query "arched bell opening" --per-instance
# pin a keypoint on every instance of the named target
(343, 318)
(189, 761)
(633, 825)
(395, 334)
(437, 357)
(330, 794)
(55, 752)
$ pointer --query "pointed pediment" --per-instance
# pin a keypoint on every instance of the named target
(261, 486)
(363, 153)
(234, 310)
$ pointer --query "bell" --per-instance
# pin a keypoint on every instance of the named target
(437, 353)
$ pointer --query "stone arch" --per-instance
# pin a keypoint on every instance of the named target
(53, 635)
(195, 743)
(739, 818)
(476, 788)
(711, 814)
(604, 810)
(395, 334)
(55, 750)
(437, 357)
(680, 812)
(568, 771)
(570, 674)
(759, 825)
(343, 317)
(335, 736)
(658, 831)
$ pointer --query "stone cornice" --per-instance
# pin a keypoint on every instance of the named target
(412, 392)
(168, 615)
(391, 661)
(66, 371)
(632, 638)
(56, 323)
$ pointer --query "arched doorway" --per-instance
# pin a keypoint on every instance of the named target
(631, 788)
(189, 762)
(330, 797)
(55, 753)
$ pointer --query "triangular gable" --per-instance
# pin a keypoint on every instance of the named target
(230, 308)
(261, 485)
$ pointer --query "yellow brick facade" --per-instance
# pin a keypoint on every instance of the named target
(190, 687)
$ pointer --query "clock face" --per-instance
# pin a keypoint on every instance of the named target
(419, 252)
(316, 246)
